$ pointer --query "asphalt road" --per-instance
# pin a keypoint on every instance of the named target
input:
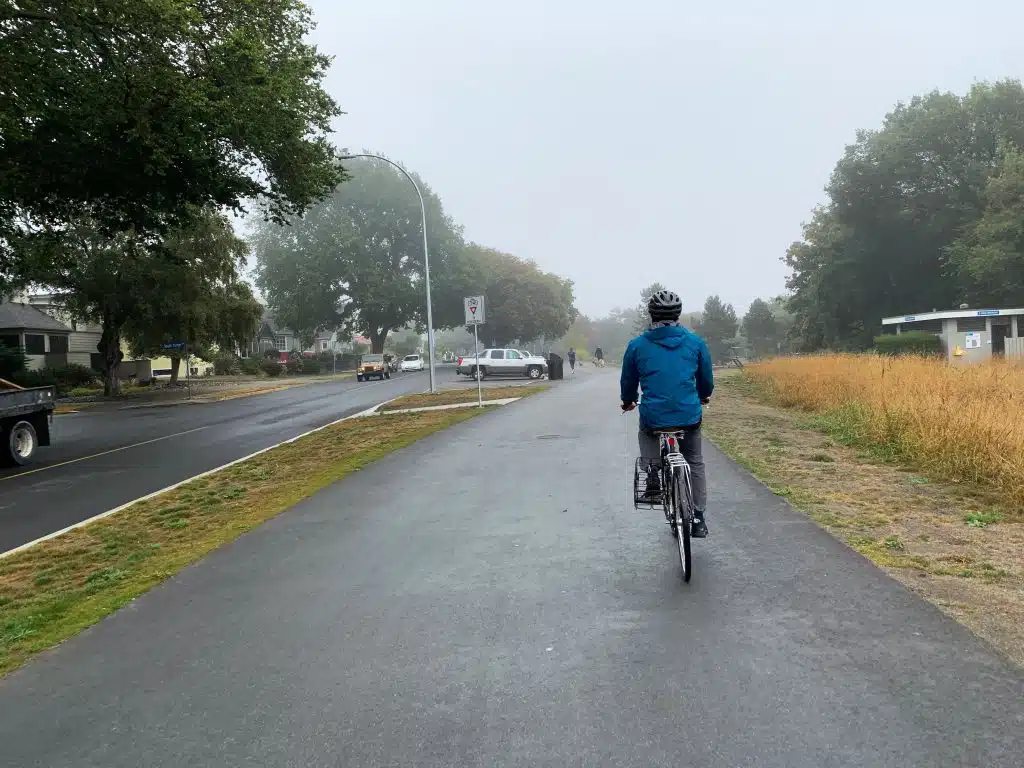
(102, 459)
(488, 597)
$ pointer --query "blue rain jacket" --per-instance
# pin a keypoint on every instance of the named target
(672, 366)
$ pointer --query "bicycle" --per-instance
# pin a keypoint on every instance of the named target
(676, 493)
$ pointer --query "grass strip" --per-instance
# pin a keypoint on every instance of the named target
(454, 396)
(58, 588)
(958, 545)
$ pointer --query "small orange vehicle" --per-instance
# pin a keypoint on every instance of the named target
(372, 367)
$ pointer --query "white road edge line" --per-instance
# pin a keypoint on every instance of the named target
(21, 548)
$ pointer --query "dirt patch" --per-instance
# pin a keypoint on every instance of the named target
(956, 545)
(453, 396)
(59, 587)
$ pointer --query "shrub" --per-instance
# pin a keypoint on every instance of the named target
(295, 366)
(909, 343)
(73, 375)
(65, 378)
(249, 366)
(12, 361)
(271, 368)
(40, 378)
(311, 366)
(226, 365)
(271, 354)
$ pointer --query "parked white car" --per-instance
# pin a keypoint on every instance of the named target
(412, 363)
(503, 362)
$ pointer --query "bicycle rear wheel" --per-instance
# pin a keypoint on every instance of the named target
(683, 518)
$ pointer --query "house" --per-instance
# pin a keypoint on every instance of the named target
(270, 336)
(968, 335)
(83, 342)
(43, 338)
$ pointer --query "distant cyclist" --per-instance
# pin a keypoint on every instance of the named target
(599, 357)
(572, 359)
(672, 366)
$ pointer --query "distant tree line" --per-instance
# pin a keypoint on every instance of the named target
(355, 262)
(926, 212)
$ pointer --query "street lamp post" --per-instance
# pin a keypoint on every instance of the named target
(426, 258)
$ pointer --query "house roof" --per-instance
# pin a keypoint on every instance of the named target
(951, 314)
(24, 317)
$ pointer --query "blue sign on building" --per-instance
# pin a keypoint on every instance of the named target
(909, 318)
(987, 312)
(173, 345)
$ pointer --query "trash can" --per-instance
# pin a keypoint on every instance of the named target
(554, 367)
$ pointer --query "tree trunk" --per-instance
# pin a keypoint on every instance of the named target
(110, 348)
(377, 339)
(175, 366)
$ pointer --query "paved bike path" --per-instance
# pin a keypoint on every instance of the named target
(488, 597)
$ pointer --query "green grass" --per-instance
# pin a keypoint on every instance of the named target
(982, 519)
(59, 587)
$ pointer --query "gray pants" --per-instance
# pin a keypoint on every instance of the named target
(650, 449)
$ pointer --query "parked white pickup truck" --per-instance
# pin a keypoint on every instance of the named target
(503, 362)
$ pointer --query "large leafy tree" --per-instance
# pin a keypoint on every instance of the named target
(988, 260)
(135, 113)
(123, 281)
(761, 328)
(899, 199)
(358, 255)
(523, 302)
(717, 326)
(200, 298)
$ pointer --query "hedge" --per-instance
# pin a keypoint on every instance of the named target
(909, 343)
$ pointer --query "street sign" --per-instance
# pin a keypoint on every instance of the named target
(178, 345)
(474, 306)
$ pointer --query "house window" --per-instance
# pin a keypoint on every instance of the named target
(59, 345)
(12, 341)
(282, 343)
(35, 344)
(323, 346)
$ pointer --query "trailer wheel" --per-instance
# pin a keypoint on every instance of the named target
(20, 442)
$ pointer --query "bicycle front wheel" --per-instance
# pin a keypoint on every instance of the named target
(683, 518)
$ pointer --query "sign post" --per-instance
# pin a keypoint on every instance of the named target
(476, 315)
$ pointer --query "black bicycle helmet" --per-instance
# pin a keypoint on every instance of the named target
(665, 305)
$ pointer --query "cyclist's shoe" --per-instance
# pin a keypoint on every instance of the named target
(698, 528)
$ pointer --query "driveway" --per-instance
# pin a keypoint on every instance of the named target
(488, 597)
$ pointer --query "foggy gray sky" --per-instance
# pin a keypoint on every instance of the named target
(619, 143)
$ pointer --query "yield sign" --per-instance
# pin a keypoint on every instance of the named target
(474, 306)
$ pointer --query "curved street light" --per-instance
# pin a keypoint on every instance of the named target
(426, 257)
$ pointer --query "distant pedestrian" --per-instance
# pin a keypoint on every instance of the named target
(572, 360)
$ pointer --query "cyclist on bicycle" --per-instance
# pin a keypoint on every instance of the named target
(672, 366)
(599, 356)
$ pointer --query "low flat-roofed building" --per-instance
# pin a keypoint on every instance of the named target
(968, 335)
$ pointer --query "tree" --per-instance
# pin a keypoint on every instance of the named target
(358, 256)
(988, 260)
(899, 199)
(125, 281)
(761, 328)
(137, 113)
(200, 299)
(522, 302)
(407, 342)
(717, 327)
